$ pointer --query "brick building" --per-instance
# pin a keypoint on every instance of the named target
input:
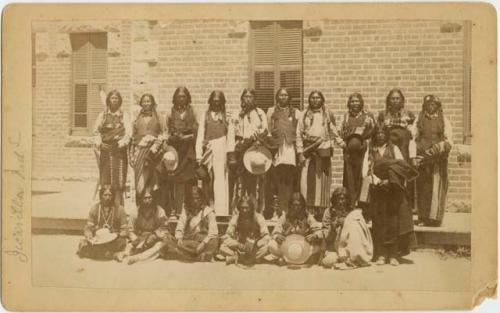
(72, 59)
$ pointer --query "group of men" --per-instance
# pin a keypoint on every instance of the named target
(392, 164)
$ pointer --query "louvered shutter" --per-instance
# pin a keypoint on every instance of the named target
(80, 63)
(290, 59)
(276, 53)
(89, 63)
(263, 62)
(98, 71)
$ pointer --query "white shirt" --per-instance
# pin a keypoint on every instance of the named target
(253, 122)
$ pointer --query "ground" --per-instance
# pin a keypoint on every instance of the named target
(56, 264)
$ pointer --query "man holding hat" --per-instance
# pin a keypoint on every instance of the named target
(182, 128)
(250, 137)
(297, 221)
(356, 128)
(434, 138)
(106, 230)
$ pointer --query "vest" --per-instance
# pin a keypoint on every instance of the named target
(214, 128)
(112, 128)
(353, 122)
(284, 125)
(145, 125)
(184, 125)
(388, 153)
(431, 131)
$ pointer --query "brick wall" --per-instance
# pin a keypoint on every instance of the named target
(376, 56)
(340, 57)
(56, 153)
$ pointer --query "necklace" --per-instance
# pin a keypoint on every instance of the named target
(108, 219)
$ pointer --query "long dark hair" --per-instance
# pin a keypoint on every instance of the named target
(189, 198)
(276, 96)
(439, 112)
(177, 91)
(111, 93)
(222, 100)
(140, 198)
(308, 112)
(359, 97)
(389, 95)
(302, 213)
(337, 193)
(105, 188)
(246, 224)
(153, 107)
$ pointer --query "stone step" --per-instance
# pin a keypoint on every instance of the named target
(62, 207)
(426, 236)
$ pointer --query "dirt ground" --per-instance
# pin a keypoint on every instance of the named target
(55, 263)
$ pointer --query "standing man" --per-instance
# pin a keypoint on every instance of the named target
(356, 129)
(399, 122)
(282, 121)
(145, 147)
(112, 132)
(434, 139)
(316, 135)
(211, 150)
(182, 128)
(251, 130)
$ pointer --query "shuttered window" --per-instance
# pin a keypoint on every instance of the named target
(276, 60)
(89, 68)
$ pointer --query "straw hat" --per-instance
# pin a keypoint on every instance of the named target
(257, 160)
(103, 235)
(170, 159)
(296, 250)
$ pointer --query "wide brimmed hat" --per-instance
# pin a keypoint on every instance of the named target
(257, 160)
(170, 159)
(103, 235)
(296, 250)
(354, 142)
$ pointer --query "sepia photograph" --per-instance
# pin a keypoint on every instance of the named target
(222, 153)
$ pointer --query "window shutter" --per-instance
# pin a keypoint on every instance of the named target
(290, 59)
(80, 107)
(263, 63)
(89, 64)
(98, 70)
(80, 64)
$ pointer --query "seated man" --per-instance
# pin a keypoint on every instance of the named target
(148, 230)
(297, 221)
(247, 235)
(196, 235)
(106, 230)
(348, 239)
